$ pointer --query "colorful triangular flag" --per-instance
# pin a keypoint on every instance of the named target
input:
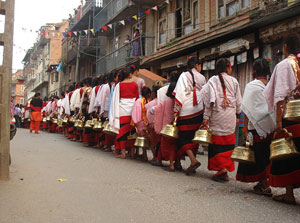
(122, 22)
(64, 34)
(148, 12)
(110, 26)
(167, 1)
(98, 29)
(75, 33)
(104, 28)
(141, 14)
(70, 34)
(135, 17)
(93, 31)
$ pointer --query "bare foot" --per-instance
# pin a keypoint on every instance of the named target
(284, 198)
(122, 156)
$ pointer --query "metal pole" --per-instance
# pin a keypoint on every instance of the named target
(141, 30)
(115, 62)
(77, 61)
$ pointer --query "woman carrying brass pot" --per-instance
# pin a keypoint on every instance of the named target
(125, 94)
(259, 124)
(285, 78)
(222, 100)
(189, 107)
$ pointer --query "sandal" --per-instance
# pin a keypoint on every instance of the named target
(258, 189)
(156, 163)
(192, 168)
(283, 199)
(221, 177)
(169, 169)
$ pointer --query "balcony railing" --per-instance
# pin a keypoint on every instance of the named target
(110, 11)
(124, 55)
(89, 6)
(41, 80)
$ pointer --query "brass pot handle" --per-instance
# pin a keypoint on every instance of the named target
(286, 131)
(247, 144)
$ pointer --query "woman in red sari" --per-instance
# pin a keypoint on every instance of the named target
(124, 97)
(35, 113)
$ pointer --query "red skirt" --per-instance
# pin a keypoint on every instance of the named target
(187, 127)
(250, 173)
(109, 140)
(219, 153)
(168, 149)
(89, 136)
(121, 140)
(287, 172)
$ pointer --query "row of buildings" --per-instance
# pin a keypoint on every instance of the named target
(241, 30)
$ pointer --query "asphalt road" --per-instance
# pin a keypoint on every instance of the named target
(101, 188)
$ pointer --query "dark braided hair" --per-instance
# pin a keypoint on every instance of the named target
(221, 66)
(192, 62)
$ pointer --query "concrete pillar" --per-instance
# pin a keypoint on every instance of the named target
(207, 15)
(6, 39)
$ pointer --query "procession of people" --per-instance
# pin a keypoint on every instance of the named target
(112, 111)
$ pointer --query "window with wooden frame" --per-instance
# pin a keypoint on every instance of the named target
(162, 26)
(231, 7)
(186, 10)
(196, 19)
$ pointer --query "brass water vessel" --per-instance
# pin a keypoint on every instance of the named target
(283, 148)
(142, 142)
(65, 120)
(98, 126)
(170, 130)
(88, 124)
(243, 154)
(203, 136)
(107, 129)
(293, 110)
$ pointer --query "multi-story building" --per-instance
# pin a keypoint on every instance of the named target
(241, 30)
(79, 51)
(18, 87)
(41, 61)
(117, 53)
(29, 62)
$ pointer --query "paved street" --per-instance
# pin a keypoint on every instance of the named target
(101, 188)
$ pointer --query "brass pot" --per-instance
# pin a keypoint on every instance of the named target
(107, 129)
(170, 131)
(73, 119)
(283, 148)
(88, 124)
(142, 142)
(243, 154)
(54, 120)
(60, 123)
(203, 136)
(293, 110)
(98, 126)
(94, 121)
(65, 120)
(80, 125)
(76, 122)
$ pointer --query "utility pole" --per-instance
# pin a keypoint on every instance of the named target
(77, 61)
(8, 10)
